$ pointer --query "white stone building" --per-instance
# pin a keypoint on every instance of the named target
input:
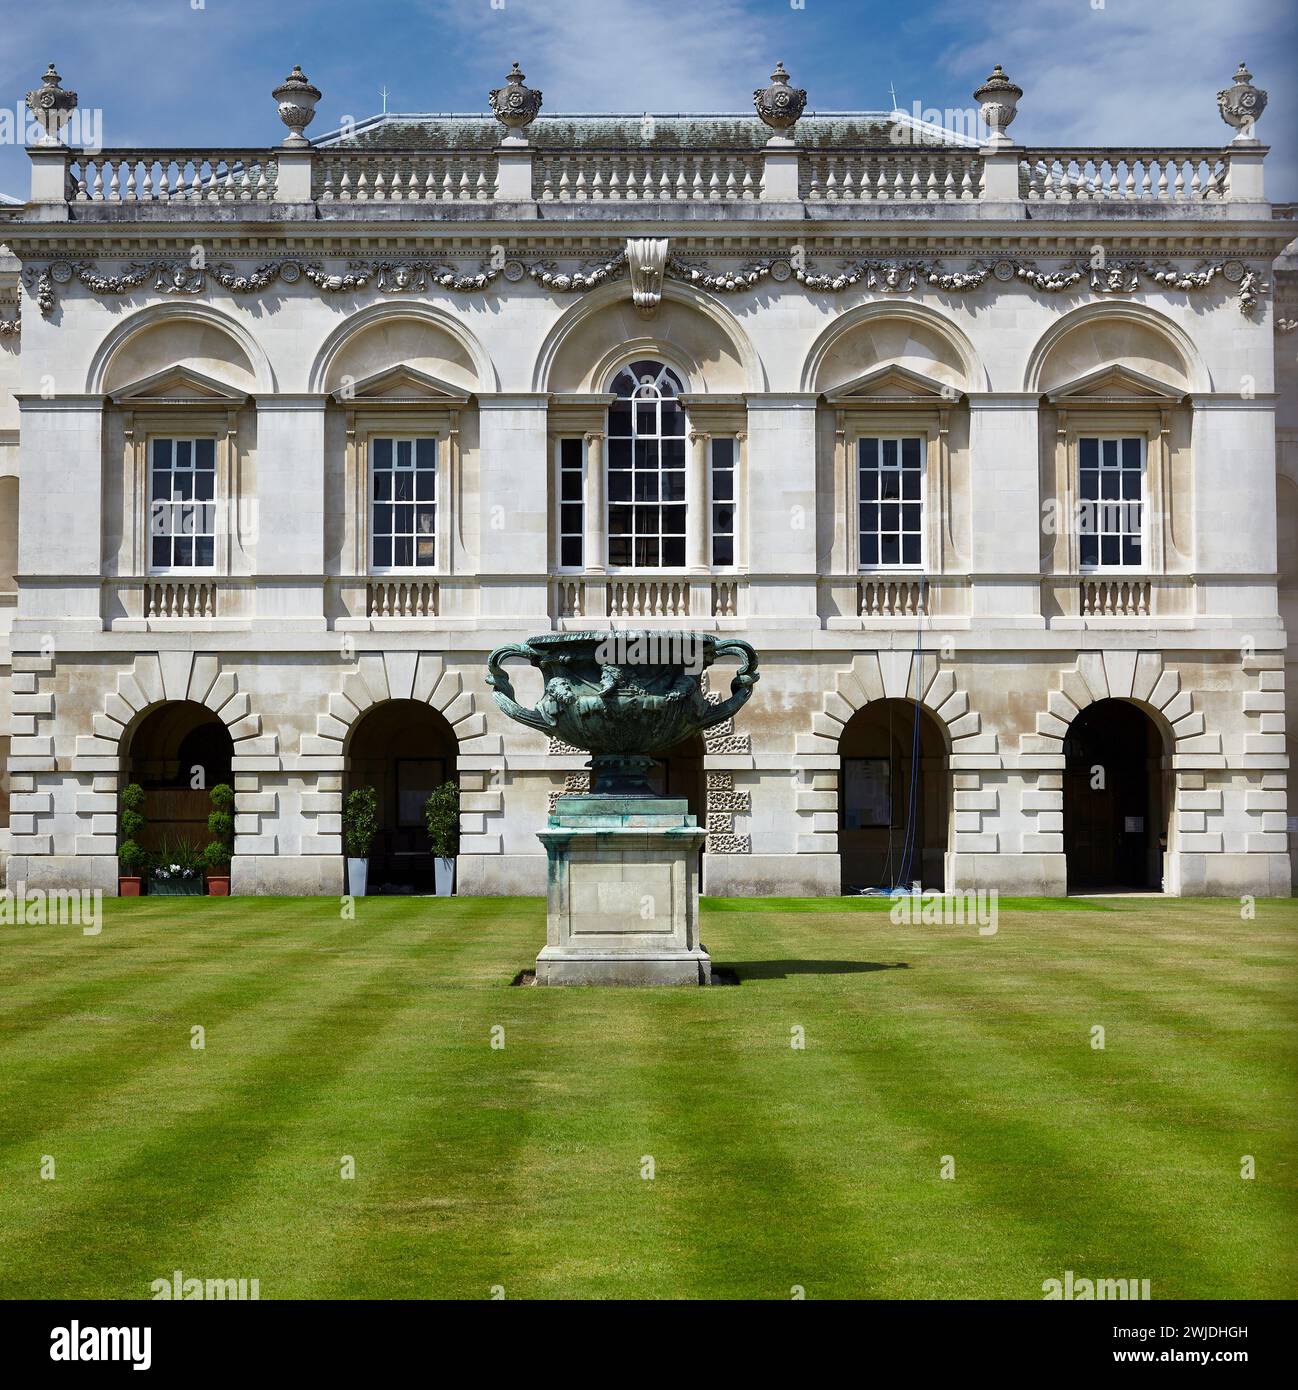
(980, 445)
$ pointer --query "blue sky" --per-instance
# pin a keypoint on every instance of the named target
(1102, 72)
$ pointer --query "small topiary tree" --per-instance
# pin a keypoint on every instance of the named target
(132, 857)
(220, 824)
(360, 822)
(442, 817)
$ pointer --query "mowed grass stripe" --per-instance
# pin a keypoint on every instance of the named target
(875, 1129)
(155, 1023)
(1118, 1168)
(478, 1167)
(418, 1110)
(187, 1132)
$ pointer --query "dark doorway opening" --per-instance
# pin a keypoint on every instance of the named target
(1115, 819)
(405, 750)
(885, 773)
(178, 752)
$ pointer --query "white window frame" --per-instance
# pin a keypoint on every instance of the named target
(732, 502)
(1121, 567)
(922, 439)
(413, 437)
(559, 533)
(214, 503)
(610, 502)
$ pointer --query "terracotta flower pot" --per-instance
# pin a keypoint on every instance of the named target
(218, 885)
(128, 887)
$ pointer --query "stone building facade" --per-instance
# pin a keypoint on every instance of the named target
(988, 449)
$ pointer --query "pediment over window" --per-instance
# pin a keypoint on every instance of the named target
(178, 386)
(1115, 385)
(894, 385)
(402, 385)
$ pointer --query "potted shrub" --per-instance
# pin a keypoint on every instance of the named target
(360, 825)
(442, 817)
(132, 859)
(216, 856)
(177, 871)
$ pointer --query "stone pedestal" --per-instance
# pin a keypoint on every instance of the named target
(623, 894)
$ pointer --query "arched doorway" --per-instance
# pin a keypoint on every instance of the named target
(404, 749)
(893, 798)
(1116, 798)
(177, 752)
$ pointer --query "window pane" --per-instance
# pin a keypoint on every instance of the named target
(1089, 453)
(1131, 550)
(1109, 551)
(870, 550)
(1131, 453)
(426, 453)
(890, 550)
(910, 550)
(205, 453)
(570, 551)
(723, 550)
(1089, 549)
(910, 453)
(382, 453)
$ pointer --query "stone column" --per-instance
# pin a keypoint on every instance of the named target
(514, 470)
(289, 522)
(60, 511)
(696, 499)
(1005, 506)
(596, 545)
(782, 508)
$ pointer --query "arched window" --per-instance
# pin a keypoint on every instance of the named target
(646, 468)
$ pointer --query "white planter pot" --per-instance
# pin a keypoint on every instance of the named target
(444, 877)
(357, 872)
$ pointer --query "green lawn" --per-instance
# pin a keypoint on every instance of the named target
(775, 1167)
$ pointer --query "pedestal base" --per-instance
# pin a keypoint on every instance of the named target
(559, 966)
(623, 894)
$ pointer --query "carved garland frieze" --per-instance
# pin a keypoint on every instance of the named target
(414, 276)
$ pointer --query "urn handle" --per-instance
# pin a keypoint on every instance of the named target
(502, 688)
(741, 685)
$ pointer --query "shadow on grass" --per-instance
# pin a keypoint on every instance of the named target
(781, 969)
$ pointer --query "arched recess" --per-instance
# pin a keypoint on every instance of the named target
(1108, 333)
(900, 676)
(894, 797)
(912, 336)
(161, 336)
(1139, 678)
(405, 750)
(157, 679)
(691, 331)
(1118, 794)
(381, 677)
(415, 335)
(177, 751)
(1124, 675)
